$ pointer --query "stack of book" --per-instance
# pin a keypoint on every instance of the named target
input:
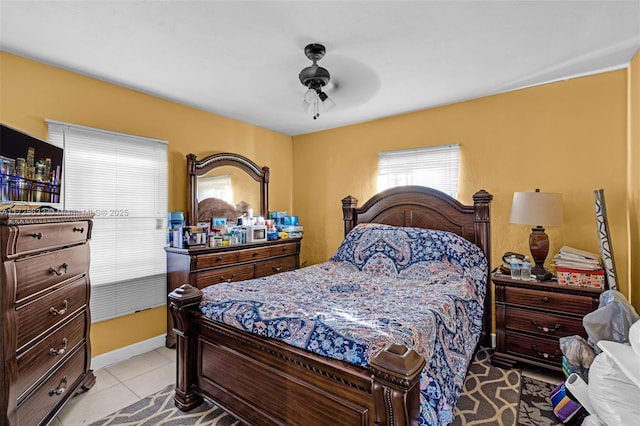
(579, 267)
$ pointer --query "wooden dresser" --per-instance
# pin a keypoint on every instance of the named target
(204, 266)
(45, 319)
(531, 316)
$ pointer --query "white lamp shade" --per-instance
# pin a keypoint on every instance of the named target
(536, 208)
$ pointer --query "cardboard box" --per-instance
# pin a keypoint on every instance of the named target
(580, 278)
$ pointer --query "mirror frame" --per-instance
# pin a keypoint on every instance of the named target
(197, 168)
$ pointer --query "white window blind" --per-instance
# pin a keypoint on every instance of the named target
(123, 180)
(435, 167)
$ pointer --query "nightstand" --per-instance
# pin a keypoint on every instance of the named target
(531, 316)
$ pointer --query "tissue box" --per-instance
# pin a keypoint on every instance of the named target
(580, 278)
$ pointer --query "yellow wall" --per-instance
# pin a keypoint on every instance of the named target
(31, 92)
(633, 170)
(568, 137)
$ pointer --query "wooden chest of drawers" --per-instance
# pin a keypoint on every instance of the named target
(202, 267)
(45, 319)
(531, 317)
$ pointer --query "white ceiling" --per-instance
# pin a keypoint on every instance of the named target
(241, 59)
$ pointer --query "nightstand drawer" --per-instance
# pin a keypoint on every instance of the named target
(540, 349)
(543, 323)
(559, 302)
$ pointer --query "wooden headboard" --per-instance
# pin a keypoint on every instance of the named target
(422, 207)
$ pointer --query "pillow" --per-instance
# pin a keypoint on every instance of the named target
(390, 250)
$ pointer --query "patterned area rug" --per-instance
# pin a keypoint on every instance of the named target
(159, 409)
(491, 396)
(535, 406)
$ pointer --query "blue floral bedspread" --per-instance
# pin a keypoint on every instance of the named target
(421, 288)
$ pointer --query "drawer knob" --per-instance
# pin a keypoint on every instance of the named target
(219, 259)
(227, 280)
(37, 235)
(60, 351)
(255, 254)
(277, 269)
(60, 271)
(284, 249)
(556, 327)
(544, 354)
(80, 230)
(62, 311)
(61, 387)
(545, 299)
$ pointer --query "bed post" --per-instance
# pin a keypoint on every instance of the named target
(183, 302)
(396, 385)
(349, 215)
(481, 201)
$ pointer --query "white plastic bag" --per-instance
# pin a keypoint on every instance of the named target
(613, 396)
(592, 420)
(611, 321)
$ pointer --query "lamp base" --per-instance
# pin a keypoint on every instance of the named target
(541, 274)
(539, 246)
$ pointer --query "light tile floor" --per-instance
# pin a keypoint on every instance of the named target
(120, 385)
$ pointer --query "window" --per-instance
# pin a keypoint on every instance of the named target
(123, 180)
(435, 167)
(215, 187)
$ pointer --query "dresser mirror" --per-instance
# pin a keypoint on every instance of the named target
(215, 179)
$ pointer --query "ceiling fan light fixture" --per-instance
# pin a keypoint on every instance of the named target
(327, 102)
(310, 96)
(314, 78)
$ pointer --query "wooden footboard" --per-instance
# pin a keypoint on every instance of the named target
(266, 382)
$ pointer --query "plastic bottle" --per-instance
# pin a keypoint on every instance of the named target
(525, 269)
(515, 266)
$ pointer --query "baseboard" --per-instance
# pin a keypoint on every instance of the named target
(106, 359)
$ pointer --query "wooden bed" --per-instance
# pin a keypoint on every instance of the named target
(267, 382)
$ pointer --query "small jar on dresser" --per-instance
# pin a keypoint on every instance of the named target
(531, 317)
(44, 297)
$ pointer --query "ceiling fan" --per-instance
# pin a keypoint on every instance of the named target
(314, 78)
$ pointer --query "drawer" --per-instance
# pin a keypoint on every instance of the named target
(39, 315)
(37, 273)
(281, 249)
(537, 348)
(543, 323)
(53, 391)
(274, 266)
(250, 255)
(213, 260)
(559, 302)
(39, 237)
(48, 352)
(217, 276)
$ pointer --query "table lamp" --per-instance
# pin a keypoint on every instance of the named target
(538, 209)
